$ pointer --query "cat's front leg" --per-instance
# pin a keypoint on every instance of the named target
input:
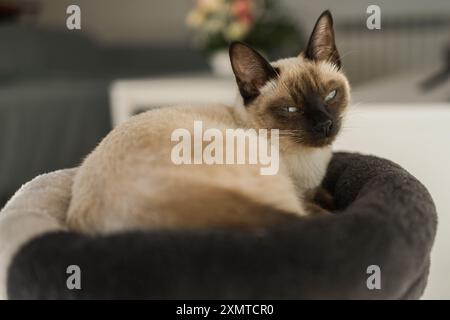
(324, 199)
(314, 209)
(319, 201)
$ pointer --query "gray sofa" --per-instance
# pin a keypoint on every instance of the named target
(54, 104)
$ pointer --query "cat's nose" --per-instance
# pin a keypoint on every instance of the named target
(324, 127)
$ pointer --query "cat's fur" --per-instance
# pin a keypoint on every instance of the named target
(130, 182)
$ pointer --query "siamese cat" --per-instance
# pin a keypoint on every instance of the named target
(130, 182)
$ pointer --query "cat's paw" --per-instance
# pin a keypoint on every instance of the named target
(324, 199)
(313, 209)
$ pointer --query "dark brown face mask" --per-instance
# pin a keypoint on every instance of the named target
(310, 109)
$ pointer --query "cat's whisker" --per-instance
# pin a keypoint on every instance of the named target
(348, 52)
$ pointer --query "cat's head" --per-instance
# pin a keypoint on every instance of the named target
(304, 96)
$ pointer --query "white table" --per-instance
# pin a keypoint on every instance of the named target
(131, 96)
(416, 136)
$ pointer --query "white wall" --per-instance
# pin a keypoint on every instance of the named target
(163, 21)
(124, 22)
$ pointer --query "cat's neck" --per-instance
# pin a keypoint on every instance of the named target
(307, 166)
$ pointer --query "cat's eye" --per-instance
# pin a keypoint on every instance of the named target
(291, 109)
(330, 96)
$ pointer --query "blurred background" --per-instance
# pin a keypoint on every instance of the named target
(62, 89)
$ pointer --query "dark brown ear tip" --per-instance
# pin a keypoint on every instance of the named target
(233, 46)
(236, 44)
(327, 13)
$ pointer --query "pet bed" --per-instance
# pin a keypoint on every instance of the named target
(384, 217)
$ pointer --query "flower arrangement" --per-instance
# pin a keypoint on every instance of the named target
(259, 23)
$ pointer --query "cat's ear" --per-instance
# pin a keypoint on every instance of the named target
(321, 45)
(252, 71)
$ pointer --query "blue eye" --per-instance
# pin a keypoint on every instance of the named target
(291, 109)
(330, 96)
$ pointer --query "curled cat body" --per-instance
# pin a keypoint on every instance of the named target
(131, 182)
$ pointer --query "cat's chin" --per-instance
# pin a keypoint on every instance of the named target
(317, 142)
(294, 144)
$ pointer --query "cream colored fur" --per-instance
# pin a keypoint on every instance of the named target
(130, 182)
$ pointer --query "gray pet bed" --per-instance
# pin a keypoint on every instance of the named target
(385, 217)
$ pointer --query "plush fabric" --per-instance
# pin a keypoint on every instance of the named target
(385, 217)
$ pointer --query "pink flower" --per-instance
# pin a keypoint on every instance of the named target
(243, 11)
